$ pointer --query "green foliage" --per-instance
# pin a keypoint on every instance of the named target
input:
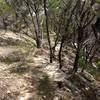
(98, 64)
(45, 35)
(45, 88)
(94, 71)
(53, 3)
(4, 7)
(98, 1)
(82, 61)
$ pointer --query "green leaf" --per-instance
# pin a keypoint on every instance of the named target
(98, 1)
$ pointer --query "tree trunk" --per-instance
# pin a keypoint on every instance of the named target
(76, 60)
(60, 53)
(79, 43)
(47, 29)
(35, 23)
(39, 34)
(39, 28)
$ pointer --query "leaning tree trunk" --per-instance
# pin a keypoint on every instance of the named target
(60, 53)
(34, 22)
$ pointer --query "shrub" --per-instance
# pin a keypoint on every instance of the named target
(45, 88)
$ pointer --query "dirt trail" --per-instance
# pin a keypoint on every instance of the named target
(16, 86)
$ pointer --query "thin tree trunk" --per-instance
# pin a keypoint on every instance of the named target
(94, 53)
(76, 60)
(55, 44)
(36, 32)
(79, 41)
(96, 34)
(39, 44)
(60, 53)
(47, 29)
(39, 29)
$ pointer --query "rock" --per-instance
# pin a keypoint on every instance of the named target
(27, 96)
(15, 56)
(98, 93)
(9, 41)
(56, 98)
(88, 76)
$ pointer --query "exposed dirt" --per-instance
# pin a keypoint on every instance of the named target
(18, 80)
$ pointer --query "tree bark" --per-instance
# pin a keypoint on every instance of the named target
(33, 22)
(79, 43)
(60, 53)
(76, 60)
(47, 29)
(39, 29)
